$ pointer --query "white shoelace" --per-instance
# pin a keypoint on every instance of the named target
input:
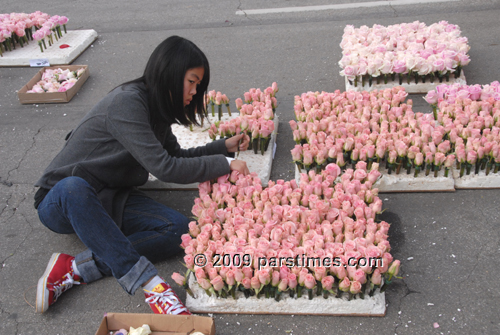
(169, 299)
(65, 285)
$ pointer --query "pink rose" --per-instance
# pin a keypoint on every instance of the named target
(355, 287)
(217, 283)
(345, 285)
(327, 282)
(376, 278)
(204, 283)
(178, 278)
(431, 97)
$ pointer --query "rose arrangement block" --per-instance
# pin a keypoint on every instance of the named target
(17, 29)
(470, 116)
(412, 55)
(377, 126)
(48, 41)
(256, 119)
(317, 240)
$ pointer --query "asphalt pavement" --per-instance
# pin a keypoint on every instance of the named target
(448, 243)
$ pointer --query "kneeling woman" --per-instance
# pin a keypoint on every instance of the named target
(89, 187)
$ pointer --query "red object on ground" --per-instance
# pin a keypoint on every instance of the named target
(64, 46)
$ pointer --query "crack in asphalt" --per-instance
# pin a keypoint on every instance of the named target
(394, 9)
(6, 204)
(25, 154)
(246, 16)
(408, 292)
(26, 235)
(5, 182)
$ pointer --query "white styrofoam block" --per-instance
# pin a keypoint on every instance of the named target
(78, 40)
(403, 182)
(410, 88)
(369, 306)
(261, 164)
(480, 180)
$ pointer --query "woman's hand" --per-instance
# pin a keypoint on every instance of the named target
(232, 143)
(240, 166)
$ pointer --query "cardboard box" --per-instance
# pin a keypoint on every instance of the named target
(159, 323)
(52, 97)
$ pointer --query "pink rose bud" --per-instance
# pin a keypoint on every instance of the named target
(230, 280)
(255, 283)
(310, 281)
(292, 280)
(283, 284)
(178, 278)
(327, 282)
(394, 268)
(247, 283)
(204, 283)
(376, 278)
(217, 283)
(431, 97)
(345, 285)
(355, 287)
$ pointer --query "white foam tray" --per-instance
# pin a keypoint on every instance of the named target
(261, 164)
(370, 306)
(410, 88)
(403, 182)
(473, 181)
(78, 40)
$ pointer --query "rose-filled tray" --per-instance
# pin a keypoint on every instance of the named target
(77, 40)
(261, 164)
(404, 182)
(470, 115)
(202, 303)
(258, 250)
(412, 55)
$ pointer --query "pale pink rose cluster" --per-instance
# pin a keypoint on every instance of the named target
(470, 116)
(317, 218)
(377, 126)
(56, 80)
(450, 93)
(16, 28)
(217, 99)
(255, 119)
(407, 49)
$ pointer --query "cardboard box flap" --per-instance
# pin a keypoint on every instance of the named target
(160, 324)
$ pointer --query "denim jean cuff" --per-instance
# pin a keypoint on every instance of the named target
(87, 267)
(140, 273)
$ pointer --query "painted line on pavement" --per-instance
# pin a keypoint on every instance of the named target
(339, 6)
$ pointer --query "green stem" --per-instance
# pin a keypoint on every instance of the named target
(255, 145)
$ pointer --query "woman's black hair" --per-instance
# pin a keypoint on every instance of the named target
(164, 79)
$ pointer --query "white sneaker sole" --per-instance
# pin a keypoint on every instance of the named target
(42, 293)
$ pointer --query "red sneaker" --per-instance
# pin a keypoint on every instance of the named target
(163, 300)
(58, 278)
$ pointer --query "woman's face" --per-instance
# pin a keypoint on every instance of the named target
(192, 79)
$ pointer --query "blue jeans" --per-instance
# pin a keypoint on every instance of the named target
(150, 232)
